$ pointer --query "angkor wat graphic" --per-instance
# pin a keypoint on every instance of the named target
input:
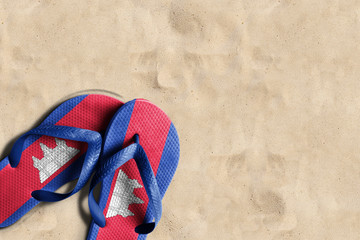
(54, 158)
(123, 196)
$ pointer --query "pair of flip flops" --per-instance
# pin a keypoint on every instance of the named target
(132, 149)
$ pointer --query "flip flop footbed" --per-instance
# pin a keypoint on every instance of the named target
(123, 197)
(47, 163)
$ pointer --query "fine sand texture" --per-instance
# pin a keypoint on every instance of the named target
(265, 96)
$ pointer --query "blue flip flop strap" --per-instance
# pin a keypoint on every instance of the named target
(136, 152)
(71, 133)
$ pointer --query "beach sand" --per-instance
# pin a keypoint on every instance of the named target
(265, 96)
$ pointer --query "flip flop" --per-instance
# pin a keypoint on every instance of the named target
(64, 147)
(140, 156)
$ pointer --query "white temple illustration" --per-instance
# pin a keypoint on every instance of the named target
(54, 158)
(123, 196)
